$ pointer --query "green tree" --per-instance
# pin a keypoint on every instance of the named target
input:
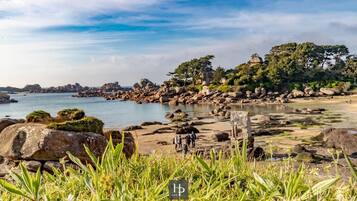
(189, 72)
(350, 71)
(218, 74)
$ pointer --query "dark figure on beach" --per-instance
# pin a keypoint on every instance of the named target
(193, 139)
(188, 140)
(177, 141)
(185, 149)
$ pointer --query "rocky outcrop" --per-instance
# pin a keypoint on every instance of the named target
(33, 141)
(5, 122)
(69, 88)
(221, 137)
(117, 137)
(4, 98)
(330, 91)
(111, 87)
(340, 138)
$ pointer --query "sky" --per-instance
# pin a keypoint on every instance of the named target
(56, 42)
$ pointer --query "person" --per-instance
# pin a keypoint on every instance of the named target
(176, 142)
(185, 149)
(188, 140)
(193, 139)
(180, 142)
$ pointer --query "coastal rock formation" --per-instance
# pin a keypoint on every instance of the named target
(33, 141)
(129, 141)
(222, 136)
(340, 138)
(330, 91)
(111, 87)
(86, 124)
(5, 122)
(4, 98)
(70, 114)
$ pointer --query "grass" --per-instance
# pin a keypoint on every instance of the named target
(39, 116)
(113, 177)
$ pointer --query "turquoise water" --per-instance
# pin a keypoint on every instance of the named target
(115, 114)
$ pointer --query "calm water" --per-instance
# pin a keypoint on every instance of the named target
(113, 113)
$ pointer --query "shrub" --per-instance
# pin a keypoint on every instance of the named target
(224, 88)
(70, 114)
(87, 124)
(39, 116)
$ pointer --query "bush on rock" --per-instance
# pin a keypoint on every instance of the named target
(39, 116)
(86, 124)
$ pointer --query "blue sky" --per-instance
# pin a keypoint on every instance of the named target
(54, 42)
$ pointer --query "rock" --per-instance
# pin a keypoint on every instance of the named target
(162, 143)
(39, 116)
(340, 138)
(186, 130)
(129, 141)
(5, 122)
(330, 91)
(132, 128)
(32, 141)
(149, 123)
(205, 90)
(297, 93)
(262, 119)
(50, 165)
(87, 124)
(32, 166)
(163, 99)
(4, 98)
(309, 91)
(256, 153)
(173, 102)
(222, 136)
(70, 114)
(344, 86)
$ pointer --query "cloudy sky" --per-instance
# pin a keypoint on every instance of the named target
(55, 42)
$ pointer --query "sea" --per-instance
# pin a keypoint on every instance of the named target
(116, 113)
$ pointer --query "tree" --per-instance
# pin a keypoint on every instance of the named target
(218, 75)
(191, 71)
(350, 71)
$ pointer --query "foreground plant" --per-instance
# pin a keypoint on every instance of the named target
(114, 177)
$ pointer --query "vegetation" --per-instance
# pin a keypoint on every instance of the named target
(113, 177)
(86, 124)
(39, 116)
(71, 114)
(285, 67)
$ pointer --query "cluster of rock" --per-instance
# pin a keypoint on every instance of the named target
(146, 91)
(342, 89)
(41, 141)
(69, 88)
(5, 98)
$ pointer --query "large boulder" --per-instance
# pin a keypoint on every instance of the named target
(330, 91)
(222, 136)
(4, 98)
(340, 138)
(129, 141)
(297, 93)
(5, 122)
(32, 141)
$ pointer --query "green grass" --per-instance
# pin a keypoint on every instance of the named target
(113, 177)
(39, 116)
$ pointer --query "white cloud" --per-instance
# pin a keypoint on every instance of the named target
(92, 59)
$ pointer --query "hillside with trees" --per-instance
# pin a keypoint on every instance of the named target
(285, 67)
